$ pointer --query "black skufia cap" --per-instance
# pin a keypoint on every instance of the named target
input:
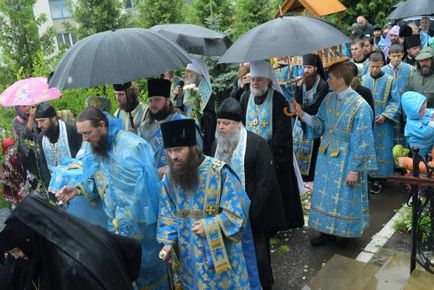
(179, 133)
(412, 41)
(159, 88)
(122, 87)
(405, 31)
(314, 60)
(45, 110)
(230, 109)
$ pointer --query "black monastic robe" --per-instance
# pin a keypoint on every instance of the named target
(281, 148)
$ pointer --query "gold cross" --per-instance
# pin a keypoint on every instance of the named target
(264, 123)
(211, 210)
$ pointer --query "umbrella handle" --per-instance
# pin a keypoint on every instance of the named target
(288, 113)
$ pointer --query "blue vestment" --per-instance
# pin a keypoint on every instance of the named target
(345, 124)
(386, 99)
(287, 74)
(215, 261)
(67, 174)
(138, 115)
(128, 184)
(401, 76)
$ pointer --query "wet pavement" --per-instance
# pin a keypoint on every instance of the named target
(295, 262)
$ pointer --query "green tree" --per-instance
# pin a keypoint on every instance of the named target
(19, 36)
(203, 9)
(153, 12)
(94, 16)
(251, 13)
(375, 11)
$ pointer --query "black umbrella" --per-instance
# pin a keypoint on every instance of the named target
(115, 57)
(398, 4)
(412, 8)
(284, 36)
(195, 39)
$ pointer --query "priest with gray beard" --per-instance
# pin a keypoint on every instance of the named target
(250, 157)
(264, 114)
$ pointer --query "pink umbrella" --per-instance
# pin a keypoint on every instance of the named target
(28, 92)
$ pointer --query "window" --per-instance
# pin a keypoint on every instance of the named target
(60, 9)
(129, 4)
(67, 39)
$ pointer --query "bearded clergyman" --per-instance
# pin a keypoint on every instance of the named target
(203, 216)
(264, 114)
(250, 157)
(120, 171)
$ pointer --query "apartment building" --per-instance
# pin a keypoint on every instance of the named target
(58, 13)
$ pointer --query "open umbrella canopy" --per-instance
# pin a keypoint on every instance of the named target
(117, 56)
(412, 8)
(195, 39)
(28, 92)
(284, 36)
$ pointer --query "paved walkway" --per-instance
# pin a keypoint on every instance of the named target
(295, 261)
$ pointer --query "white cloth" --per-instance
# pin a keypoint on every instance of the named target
(263, 68)
(199, 67)
(56, 153)
(300, 182)
(395, 30)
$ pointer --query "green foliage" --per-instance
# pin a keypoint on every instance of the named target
(251, 13)
(375, 11)
(222, 75)
(4, 203)
(283, 249)
(94, 16)
(19, 37)
(6, 117)
(404, 223)
(203, 9)
(274, 241)
(153, 12)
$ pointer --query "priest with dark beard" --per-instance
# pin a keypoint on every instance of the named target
(120, 171)
(131, 111)
(250, 157)
(203, 216)
(58, 140)
(309, 93)
(264, 114)
(160, 110)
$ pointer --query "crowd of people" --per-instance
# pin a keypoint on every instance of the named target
(200, 188)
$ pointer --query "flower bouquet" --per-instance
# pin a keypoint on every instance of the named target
(193, 101)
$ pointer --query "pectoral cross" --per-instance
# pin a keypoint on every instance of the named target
(211, 210)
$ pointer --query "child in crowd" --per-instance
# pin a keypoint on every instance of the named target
(419, 130)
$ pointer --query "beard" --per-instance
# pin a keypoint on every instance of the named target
(259, 91)
(160, 114)
(309, 79)
(186, 174)
(425, 71)
(193, 80)
(226, 144)
(52, 133)
(100, 148)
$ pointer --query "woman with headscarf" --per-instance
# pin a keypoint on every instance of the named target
(25, 131)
